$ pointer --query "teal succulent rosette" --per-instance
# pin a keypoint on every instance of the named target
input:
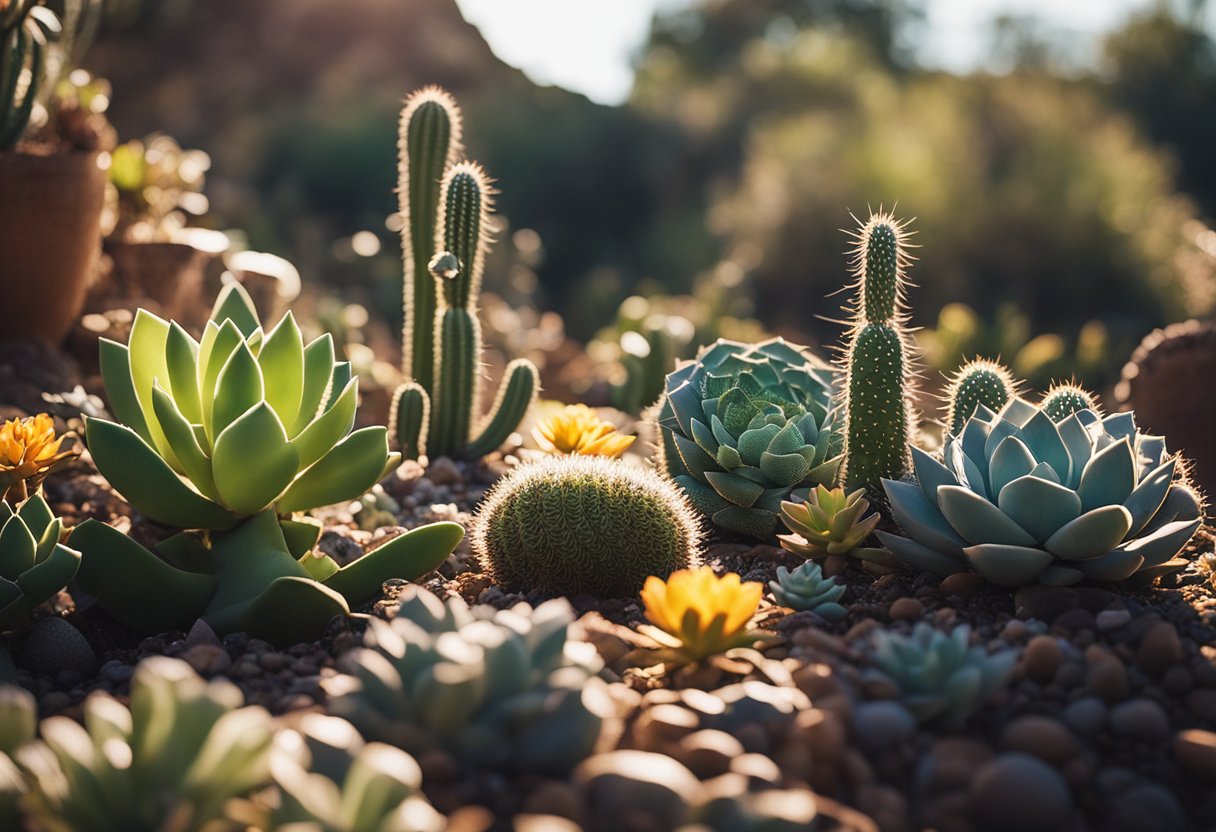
(747, 426)
(1021, 498)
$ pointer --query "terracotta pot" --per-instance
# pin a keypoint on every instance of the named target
(50, 237)
(170, 275)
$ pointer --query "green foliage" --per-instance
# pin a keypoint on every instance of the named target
(978, 382)
(574, 524)
(441, 402)
(880, 421)
(27, 28)
(744, 426)
(34, 565)
(1021, 498)
(942, 678)
(831, 522)
(807, 589)
(184, 750)
(331, 780)
(500, 689)
(18, 727)
(1063, 400)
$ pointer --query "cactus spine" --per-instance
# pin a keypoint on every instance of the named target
(435, 412)
(880, 418)
(977, 382)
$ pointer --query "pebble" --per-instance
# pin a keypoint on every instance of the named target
(962, 584)
(881, 725)
(208, 659)
(1041, 736)
(1202, 703)
(1016, 792)
(54, 646)
(906, 609)
(1160, 649)
(885, 806)
(653, 786)
(1086, 716)
(708, 753)
(1196, 751)
(1140, 719)
(1146, 807)
(1042, 658)
(1076, 621)
(554, 797)
(1109, 620)
(1106, 676)
(1045, 603)
(443, 471)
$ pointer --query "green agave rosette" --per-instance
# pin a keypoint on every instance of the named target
(1021, 498)
(747, 426)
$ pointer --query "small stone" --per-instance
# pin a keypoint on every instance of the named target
(951, 764)
(554, 797)
(708, 753)
(1146, 807)
(208, 659)
(114, 673)
(906, 609)
(272, 662)
(1196, 752)
(1016, 792)
(1140, 719)
(1042, 658)
(885, 806)
(1041, 736)
(962, 584)
(657, 790)
(1109, 620)
(1045, 603)
(54, 646)
(1160, 649)
(1014, 631)
(662, 724)
(1107, 677)
(1076, 621)
(881, 725)
(1202, 703)
(443, 471)
(1086, 716)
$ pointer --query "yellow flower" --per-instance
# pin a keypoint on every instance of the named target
(701, 614)
(576, 429)
(29, 449)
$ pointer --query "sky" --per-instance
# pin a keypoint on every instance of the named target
(587, 45)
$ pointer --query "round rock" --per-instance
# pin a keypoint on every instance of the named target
(1016, 792)
(1140, 719)
(1196, 751)
(881, 725)
(1042, 659)
(1041, 736)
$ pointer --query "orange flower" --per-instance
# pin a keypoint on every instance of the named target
(576, 429)
(699, 614)
(29, 450)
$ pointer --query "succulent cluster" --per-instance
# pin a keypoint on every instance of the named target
(583, 524)
(445, 237)
(807, 590)
(34, 565)
(228, 434)
(495, 688)
(577, 429)
(1021, 498)
(744, 426)
(880, 420)
(941, 678)
(697, 614)
(831, 522)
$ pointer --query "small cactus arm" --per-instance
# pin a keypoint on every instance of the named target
(977, 382)
(881, 421)
(1063, 400)
(428, 141)
(409, 417)
(515, 395)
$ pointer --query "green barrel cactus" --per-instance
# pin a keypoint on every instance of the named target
(231, 435)
(806, 589)
(34, 565)
(977, 382)
(941, 678)
(1063, 400)
(330, 780)
(575, 524)
(880, 420)
(495, 688)
(436, 411)
(1020, 498)
(184, 755)
(746, 426)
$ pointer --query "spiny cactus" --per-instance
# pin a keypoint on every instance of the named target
(942, 679)
(493, 687)
(1063, 400)
(880, 419)
(428, 140)
(573, 524)
(436, 411)
(977, 382)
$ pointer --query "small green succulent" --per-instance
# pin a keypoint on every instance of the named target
(34, 565)
(744, 426)
(330, 780)
(941, 678)
(574, 524)
(184, 756)
(1021, 498)
(495, 688)
(231, 435)
(831, 522)
(806, 589)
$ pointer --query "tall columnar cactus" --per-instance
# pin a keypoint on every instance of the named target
(881, 421)
(435, 413)
(428, 141)
(977, 382)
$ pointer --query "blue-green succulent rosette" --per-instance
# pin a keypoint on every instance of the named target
(1020, 498)
(745, 426)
